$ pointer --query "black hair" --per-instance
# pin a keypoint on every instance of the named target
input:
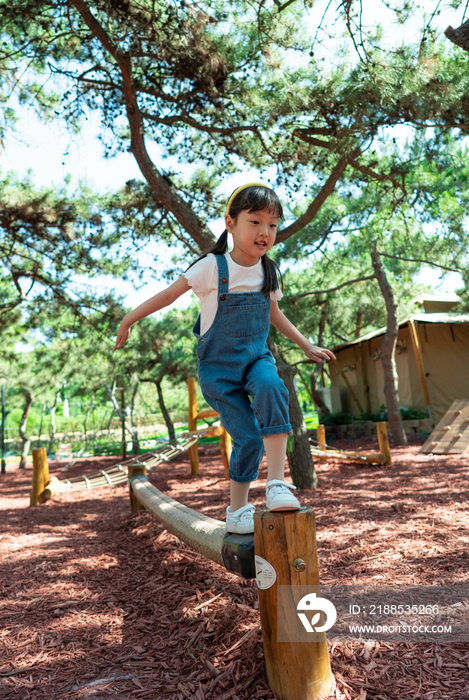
(254, 198)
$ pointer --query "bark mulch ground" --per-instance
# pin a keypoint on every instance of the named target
(99, 603)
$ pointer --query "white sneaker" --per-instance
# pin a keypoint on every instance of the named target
(279, 496)
(240, 521)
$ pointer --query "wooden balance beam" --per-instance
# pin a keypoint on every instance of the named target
(202, 533)
(286, 555)
(382, 457)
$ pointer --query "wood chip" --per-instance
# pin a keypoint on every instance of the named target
(120, 583)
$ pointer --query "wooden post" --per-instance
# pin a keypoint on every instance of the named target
(225, 449)
(40, 476)
(419, 359)
(134, 469)
(192, 422)
(321, 436)
(286, 555)
(384, 442)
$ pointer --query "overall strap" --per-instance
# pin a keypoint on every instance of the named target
(223, 279)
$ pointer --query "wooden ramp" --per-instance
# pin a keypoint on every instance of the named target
(451, 435)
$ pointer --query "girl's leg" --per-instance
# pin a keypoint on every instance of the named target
(276, 452)
(238, 494)
(239, 514)
(279, 495)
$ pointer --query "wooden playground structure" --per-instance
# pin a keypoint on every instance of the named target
(323, 451)
(285, 555)
(451, 435)
(194, 416)
(282, 551)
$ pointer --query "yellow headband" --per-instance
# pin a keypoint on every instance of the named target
(243, 187)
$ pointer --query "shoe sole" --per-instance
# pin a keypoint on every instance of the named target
(240, 532)
(273, 510)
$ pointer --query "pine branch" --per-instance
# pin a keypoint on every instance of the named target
(333, 289)
(419, 260)
(326, 190)
(161, 190)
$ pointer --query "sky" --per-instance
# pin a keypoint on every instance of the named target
(52, 153)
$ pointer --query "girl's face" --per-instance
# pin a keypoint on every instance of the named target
(253, 235)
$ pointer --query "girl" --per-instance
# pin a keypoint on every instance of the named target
(239, 293)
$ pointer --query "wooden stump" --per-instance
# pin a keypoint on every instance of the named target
(286, 555)
(133, 470)
(321, 436)
(384, 442)
(40, 476)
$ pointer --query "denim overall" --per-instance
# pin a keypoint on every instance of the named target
(234, 363)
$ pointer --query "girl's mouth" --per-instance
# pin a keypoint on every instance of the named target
(261, 244)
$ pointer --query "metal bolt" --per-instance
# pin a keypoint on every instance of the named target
(271, 527)
(299, 564)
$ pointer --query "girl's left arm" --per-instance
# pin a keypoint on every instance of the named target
(282, 324)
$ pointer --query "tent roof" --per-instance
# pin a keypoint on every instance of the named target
(437, 303)
(420, 318)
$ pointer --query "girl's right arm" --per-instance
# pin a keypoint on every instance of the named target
(165, 298)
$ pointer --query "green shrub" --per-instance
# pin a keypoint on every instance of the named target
(339, 418)
(412, 414)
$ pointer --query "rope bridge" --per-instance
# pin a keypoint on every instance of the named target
(118, 473)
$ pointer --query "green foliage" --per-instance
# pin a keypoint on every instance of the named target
(339, 418)
(47, 238)
(412, 414)
(223, 89)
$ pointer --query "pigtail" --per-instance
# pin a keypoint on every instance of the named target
(272, 276)
(220, 248)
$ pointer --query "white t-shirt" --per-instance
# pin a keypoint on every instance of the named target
(203, 278)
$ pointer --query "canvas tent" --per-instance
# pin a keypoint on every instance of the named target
(432, 359)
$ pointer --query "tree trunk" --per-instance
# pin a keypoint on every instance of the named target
(110, 424)
(460, 35)
(359, 322)
(164, 411)
(26, 442)
(135, 441)
(299, 456)
(387, 354)
(53, 427)
(116, 407)
(317, 398)
(85, 423)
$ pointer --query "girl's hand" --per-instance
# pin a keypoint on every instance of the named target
(123, 335)
(318, 354)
